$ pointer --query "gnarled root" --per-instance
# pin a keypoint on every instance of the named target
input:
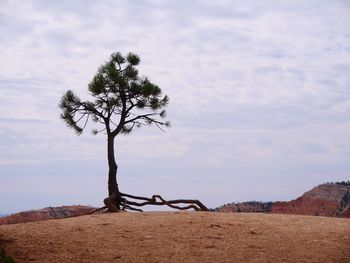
(127, 204)
(130, 202)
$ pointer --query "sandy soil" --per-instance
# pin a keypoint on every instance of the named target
(180, 237)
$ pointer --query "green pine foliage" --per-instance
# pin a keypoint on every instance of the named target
(122, 100)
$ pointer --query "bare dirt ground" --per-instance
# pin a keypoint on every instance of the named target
(180, 237)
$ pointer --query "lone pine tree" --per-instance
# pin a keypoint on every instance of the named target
(122, 101)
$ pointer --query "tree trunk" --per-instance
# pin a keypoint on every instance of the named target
(114, 198)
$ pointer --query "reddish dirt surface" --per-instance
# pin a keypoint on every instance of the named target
(180, 237)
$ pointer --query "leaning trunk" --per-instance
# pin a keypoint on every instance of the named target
(114, 199)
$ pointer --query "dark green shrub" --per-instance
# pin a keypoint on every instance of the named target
(4, 258)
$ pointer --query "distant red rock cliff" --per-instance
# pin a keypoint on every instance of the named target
(331, 199)
(46, 213)
(323, 200)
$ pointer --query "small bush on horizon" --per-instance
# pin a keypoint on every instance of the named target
(346, 183)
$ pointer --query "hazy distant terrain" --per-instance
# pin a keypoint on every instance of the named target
(330, 199)
(180, 237)
(46, 213)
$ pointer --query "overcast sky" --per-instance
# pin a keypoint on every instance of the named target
(259, 99)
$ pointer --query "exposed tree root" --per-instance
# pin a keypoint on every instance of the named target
(195, 204)
(103, 209)
(130, 202)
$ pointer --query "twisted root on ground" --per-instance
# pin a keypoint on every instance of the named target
(132, 202)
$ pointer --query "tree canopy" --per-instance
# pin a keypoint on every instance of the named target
(121, 97)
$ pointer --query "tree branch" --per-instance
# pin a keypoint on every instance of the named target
(144, 116)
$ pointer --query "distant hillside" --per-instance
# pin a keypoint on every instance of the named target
(46, 213)
(330, 199)
(324, 200)
(3, 215)
(246, 207)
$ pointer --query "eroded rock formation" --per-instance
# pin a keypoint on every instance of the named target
(330, 199)
(46, 213)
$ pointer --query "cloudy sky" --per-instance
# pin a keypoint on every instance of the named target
(259, 99)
